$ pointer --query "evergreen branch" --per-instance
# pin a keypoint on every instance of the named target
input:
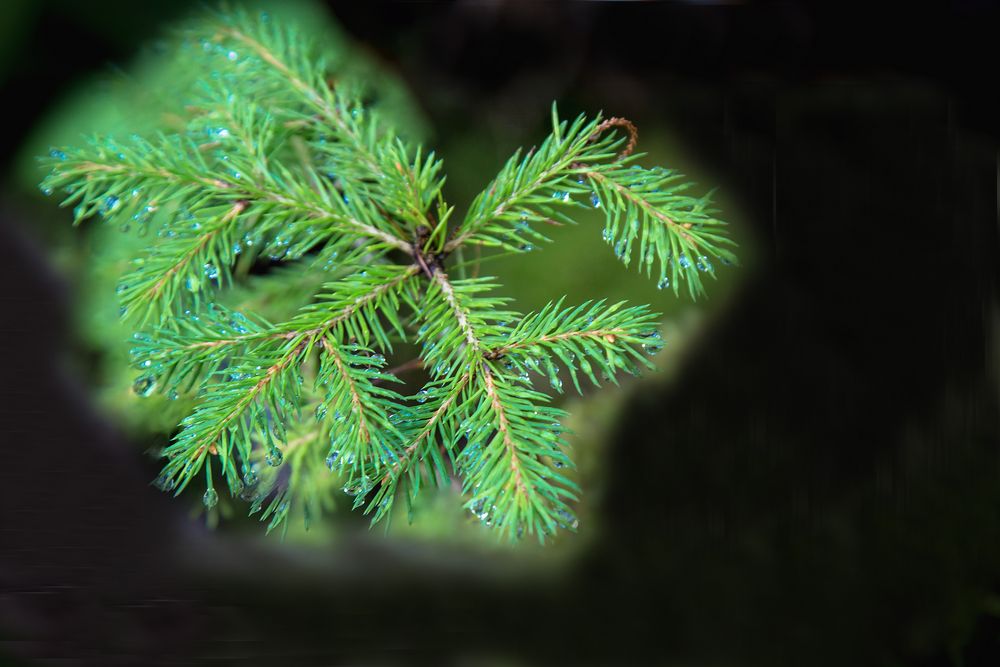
(157, 281)
(383, 157)
(278, 155)
(612, 337)
(462, 315)
(133, 177)
(516, 453)
(512, 463)
(309, 91)
(203, 242)
(174, 358)
(648, 206)
(503, 428)
(251, 401)
(357, 305)
(526, 189)
(432, 421)
(353, 309)
(362, 434)
(453, 317)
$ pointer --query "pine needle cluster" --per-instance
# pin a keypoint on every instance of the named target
(284, 160)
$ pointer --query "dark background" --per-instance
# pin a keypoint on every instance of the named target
(830, 490)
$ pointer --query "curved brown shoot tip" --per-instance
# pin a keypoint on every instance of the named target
(633, 134)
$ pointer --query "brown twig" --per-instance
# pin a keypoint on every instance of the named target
(410, 365)
(629, 126)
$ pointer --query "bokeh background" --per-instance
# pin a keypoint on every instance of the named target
(812, 479)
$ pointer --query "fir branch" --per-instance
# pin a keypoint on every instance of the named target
(409, 183)
(513, 473)
(363, 437)
(649, 207)
(276, 158)
(612, 337)
(515, 452)
(428, 427)
(352, 309)
(526, 189)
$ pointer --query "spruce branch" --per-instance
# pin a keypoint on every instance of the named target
(284, 164)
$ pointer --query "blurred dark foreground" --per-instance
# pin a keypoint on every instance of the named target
(820, 487)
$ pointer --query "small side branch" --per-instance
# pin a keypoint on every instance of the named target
(441, 278)
(503, 427)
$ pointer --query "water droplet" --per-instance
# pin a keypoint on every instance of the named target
(704, 264)
(192, 284)
(165, 482)
(46, 190)
(653, 344)
(232, 55)
(606, 234)
(684, 261)
(569, 521)
(237, 323)
(211, 271)
(359, 487)
(211, 498)
(237, 248)
(144, 385)
(274, 458)
(556, 383)
(422, 396)
(109, 205)
(664, 283)
(527, 247)
(250, 477)
(595, 201)
(331, 460)
(57, 154)
(620, 249)
(320, 412)
(559, 194)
